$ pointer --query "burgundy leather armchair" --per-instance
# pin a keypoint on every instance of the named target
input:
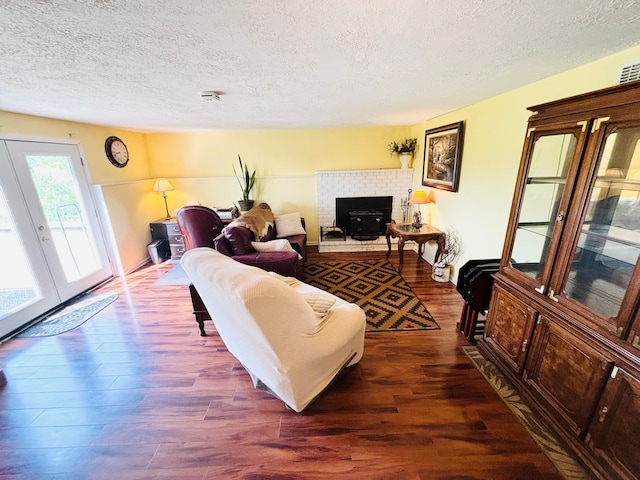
(199, 226)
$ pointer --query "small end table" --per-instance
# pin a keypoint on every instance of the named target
(406, 232)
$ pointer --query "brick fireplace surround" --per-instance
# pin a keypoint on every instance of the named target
(359, 183)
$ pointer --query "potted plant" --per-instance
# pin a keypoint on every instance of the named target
(404, 149)
(452, 248)
(246, 181)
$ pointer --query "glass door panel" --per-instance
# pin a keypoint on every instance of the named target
(546, 181)
(26, 287)
(65, 214)
(609, 242)
(59, 199)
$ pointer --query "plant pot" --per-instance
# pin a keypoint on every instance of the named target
(405, 159)
(245, 205)
(441, 272)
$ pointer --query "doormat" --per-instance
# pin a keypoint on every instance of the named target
(377, 288)
(12, 298)
(568, 467)
(71, 316)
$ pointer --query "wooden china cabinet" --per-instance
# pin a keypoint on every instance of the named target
(564, 319)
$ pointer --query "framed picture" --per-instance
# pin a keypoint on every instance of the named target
(442, 157)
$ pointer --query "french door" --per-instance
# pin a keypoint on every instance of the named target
(51, 244)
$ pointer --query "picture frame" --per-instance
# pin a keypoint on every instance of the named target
(442, 156)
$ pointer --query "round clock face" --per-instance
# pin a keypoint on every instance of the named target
(116, 151)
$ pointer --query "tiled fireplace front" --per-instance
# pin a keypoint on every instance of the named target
(358, 183)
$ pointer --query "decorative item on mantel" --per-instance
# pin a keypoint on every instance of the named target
(405, 150)
(246, 182)
(452, 248)
(418, 198)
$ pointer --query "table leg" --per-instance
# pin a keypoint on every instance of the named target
(400, 253)
(441, 241)
(388, 235)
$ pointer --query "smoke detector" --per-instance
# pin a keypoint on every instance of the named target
(210, 95)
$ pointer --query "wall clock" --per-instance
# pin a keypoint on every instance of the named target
(116, 151)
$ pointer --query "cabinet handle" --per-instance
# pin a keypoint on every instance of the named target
(560, 217)
(540, 289)
(603, 413)
(551, 296)
(524, 345)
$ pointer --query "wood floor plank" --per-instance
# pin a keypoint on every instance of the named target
(137, 393)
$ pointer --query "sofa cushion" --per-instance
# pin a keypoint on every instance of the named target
(281, 245)
(289, 224)
(239, 238)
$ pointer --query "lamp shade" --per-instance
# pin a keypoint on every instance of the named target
(419, 197)
(162, 185)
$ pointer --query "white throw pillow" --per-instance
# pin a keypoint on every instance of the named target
(273, 246)
(289, 224)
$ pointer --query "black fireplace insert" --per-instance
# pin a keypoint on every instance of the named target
(377, 209)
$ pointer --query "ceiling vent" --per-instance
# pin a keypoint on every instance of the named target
(630, 72)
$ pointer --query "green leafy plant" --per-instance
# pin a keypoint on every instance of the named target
(245, 179)
(408, 145)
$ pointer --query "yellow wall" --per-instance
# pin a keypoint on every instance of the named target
(129, 209)
(493, 139)
(199, 164)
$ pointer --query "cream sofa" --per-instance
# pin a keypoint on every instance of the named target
(291, 337)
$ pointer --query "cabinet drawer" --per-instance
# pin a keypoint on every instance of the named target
(172, 228)
(176, 239)
(176, 251)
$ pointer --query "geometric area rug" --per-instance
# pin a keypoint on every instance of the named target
(375, 286)
(546, 440)
(71, 316)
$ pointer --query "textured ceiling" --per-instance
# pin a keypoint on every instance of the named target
(141, 64)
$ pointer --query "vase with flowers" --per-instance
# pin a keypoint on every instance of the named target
(405, 150)
(452, 249)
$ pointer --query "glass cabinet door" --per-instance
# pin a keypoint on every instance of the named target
(608, 246)
(546, 181)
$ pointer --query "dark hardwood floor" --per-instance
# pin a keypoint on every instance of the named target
(136, 393)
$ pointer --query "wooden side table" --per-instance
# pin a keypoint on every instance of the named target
(405, 232)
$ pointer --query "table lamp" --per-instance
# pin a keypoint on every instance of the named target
(418, 198)
(163, 186)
